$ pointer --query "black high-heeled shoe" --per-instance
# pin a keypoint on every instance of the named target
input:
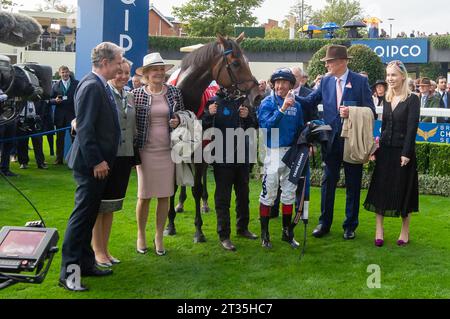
(159, 252)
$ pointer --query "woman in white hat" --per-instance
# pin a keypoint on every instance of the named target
(156, 106)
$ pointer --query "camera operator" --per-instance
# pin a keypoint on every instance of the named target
(6, 131)
(63, 98)
(30, 122)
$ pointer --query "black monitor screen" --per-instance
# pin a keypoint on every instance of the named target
(21, 242)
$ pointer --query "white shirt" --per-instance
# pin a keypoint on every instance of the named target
(101, 78)
(66, 83)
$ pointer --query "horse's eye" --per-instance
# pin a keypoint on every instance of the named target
(236, 63)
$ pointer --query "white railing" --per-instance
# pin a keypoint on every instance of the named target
(434, 113)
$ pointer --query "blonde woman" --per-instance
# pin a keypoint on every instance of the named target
(156, 105)
(116, 186)
(393, 190)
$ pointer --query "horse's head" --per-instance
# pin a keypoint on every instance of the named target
(232, 71)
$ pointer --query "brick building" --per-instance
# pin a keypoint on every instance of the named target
(160, 25)
(270, 24)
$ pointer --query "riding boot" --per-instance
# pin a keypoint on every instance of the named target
(265, 237)
(288, 231)
(264, 217)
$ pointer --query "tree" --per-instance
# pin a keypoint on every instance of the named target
(65, 8)
(209, 17)
(339, 11)
(56, 5)
(364, 59)
(430, 70)
(277, 33)
(7, 4)
(302, 12)
(51, 4)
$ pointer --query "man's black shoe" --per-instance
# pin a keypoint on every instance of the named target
(228, 245)
(266, 243)
(9, 174)
(95, 272)
(320, 231)
(247, 234)
(349, 234)
(69, 285)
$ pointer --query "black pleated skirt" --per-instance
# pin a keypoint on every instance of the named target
(116, 185)
(393, 190)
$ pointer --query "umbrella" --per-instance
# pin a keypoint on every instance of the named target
(372, 20)
(309, 27)
(330, 26)
(354, 24)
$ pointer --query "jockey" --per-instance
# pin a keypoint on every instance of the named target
(280, 116)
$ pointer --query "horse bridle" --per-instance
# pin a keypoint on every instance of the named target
(235, 90)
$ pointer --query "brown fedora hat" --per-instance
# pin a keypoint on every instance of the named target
(424, 81)
(336, 52)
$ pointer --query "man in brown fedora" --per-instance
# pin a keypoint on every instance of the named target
(338, 90)
(427, 97)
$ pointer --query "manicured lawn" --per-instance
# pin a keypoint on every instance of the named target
(331, 267)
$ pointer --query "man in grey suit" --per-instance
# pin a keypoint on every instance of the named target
(92, 155)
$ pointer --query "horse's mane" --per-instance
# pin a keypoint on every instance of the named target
(203, 55)
(197, 67)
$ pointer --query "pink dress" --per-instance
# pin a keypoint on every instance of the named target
(156, 174)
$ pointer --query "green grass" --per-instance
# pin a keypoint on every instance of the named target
(331, 267)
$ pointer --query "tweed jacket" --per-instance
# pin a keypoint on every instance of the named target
(143, 104)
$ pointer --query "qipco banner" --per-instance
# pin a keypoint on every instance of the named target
(405, 50)
(123, 22)
(426, 132)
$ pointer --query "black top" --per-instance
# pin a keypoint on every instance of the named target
(227, 116)
(399, 127)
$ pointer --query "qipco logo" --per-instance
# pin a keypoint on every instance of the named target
(126, 42)
(394, 51)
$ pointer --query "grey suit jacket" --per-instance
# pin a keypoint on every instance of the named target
(98, 130)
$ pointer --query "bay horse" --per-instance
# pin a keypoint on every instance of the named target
(224, 62)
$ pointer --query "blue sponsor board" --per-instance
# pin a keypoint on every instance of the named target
(126, 24)
(405, 50)
(426, 132)
(123, 22)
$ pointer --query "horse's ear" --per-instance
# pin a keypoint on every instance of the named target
(240, 37)
(221, 39)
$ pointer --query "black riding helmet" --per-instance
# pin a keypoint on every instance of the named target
(283, 74)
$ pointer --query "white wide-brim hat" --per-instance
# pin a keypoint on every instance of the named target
(153, 59)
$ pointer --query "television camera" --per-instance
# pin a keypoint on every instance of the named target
(23, 249)
(20, 82)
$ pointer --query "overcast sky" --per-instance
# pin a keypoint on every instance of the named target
(427, 16)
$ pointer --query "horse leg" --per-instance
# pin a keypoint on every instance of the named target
(170, 229)
(205, 206)
(199, 237)
(181, 200)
